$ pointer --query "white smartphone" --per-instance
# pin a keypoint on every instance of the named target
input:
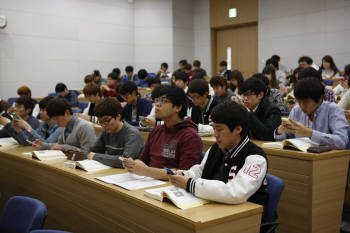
(287, 121)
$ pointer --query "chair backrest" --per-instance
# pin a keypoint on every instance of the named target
(328, 82)
(48, 231)
(275, 187)
(22, 214)
(348, 145)
(11, 100)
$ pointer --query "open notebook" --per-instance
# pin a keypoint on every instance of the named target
(180, 197)
(302, 144)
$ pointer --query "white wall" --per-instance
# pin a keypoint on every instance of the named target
(47, 41)
(201, 26)
(153, 34)
(183, 31)
(295, 28)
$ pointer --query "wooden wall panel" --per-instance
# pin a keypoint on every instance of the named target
(247, 12)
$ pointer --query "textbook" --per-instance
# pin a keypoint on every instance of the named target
(48, 154)
(180, 197)
(7, 143)
(302, 144)
(130, 181)
(91, 165)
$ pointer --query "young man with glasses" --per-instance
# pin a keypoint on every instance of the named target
(263, 116)
(76, 132)
(119, 139)
(136, 106)
(176, 144)
(202, 105)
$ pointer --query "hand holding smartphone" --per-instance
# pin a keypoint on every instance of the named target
(287, 122)
(169, 171)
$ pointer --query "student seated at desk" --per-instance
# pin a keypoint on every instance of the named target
(48, 130)
(153, 84)
(176, 144)
(98, 78)
(129, 75)
(143, 79)
(136, 106)
(24, 91)
(263, 116)
(202, 105)
(112, 83)
(181, 80)
(76, 132)
(323, 122)
(197, 70)
(70, 96)
(233, 170)
(119, 139)
(219, 84)
(162, 72)
(23, 109)
(93, 93)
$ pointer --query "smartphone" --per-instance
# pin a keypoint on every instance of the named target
(14, 116)
(287, 121)
(142, 118)
(169, 171)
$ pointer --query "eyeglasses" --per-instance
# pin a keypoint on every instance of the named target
(196, 97)
(161, 101)
(105, 121)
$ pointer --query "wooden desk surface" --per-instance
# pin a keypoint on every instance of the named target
(78, 202)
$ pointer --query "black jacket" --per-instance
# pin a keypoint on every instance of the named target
(263, 122)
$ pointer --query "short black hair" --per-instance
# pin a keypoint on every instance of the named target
(309, 72)
(199, 86)
(60, 87)
(129, 69)
(223, 63)
(218, 81)
(116, 71)
(154, 80)
(231, 114)
(43, 103)
(128, 87)
(309, 88)
(306, 59)
(57, 107)
(255, 85)
(27, 102)
(109, 106)
(180, 75)
(142, 74)
(113, 76)
(96, 73)
(262, 77)
(188, 66)
(183, 62)
(276, 57)
(177, 97)
(272, 62)
(165, 65)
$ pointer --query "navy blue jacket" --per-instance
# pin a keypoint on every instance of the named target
(143, 108)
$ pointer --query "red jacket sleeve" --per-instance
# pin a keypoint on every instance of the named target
(190, 151)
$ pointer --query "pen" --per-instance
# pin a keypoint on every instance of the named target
(32, 143)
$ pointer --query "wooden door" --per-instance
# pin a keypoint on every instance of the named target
(243, 41)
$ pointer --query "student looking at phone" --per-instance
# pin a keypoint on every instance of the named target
(48, 130)
(323, 122)
(23, 110)
(118, 139)
(76, 133)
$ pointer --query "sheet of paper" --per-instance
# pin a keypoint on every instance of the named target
(130, 181)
